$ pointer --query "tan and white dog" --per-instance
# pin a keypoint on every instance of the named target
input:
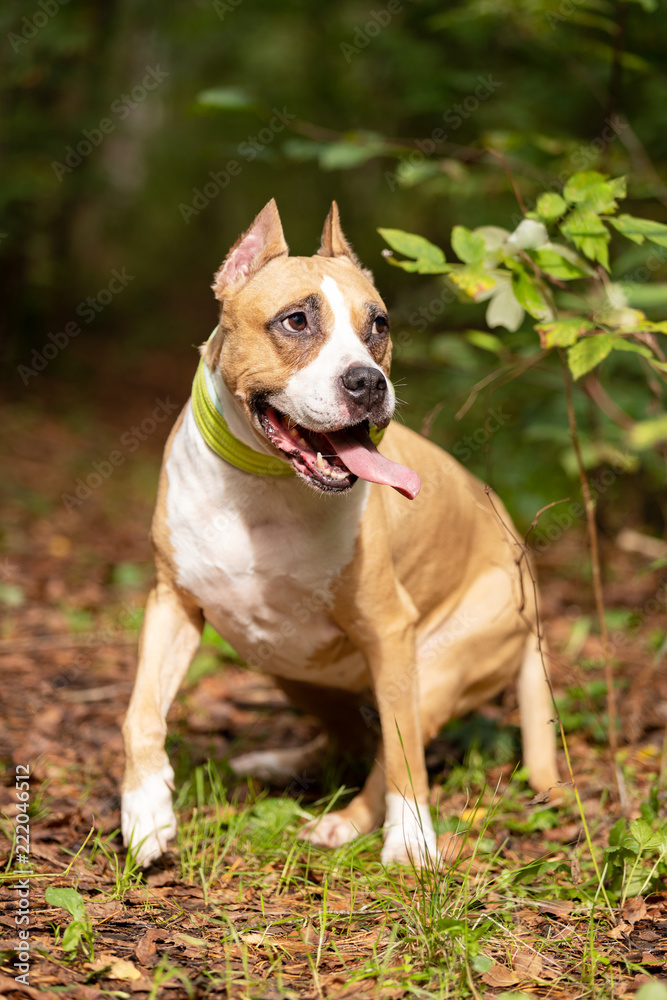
(422, 606)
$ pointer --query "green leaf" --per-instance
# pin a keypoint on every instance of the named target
(560, 265)
(481, 963)
(73, 935)
(474, 281)
(69, 899)
(411, 245)
(468, 247)
(648, 433)
(588, 233)
(642, 836)
(226, 99)
(588, 353)
(528, 294)
(302, 150)
(409, 175)
(12, 595)
(550, 207)
(419, 266)
(617, 832)
(486, 341)
(652, 991)
(638, 230)
(564, 332)
(594, 190)
(621, 344)
(345, 155)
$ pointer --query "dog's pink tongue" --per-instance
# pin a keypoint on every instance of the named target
(362, 458)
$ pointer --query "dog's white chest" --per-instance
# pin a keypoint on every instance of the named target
(263, 558)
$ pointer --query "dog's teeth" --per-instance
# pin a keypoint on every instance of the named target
(303, 444)
(320, 460)
(293, 432)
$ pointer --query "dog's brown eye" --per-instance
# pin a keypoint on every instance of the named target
(380, 325)
(296, 322)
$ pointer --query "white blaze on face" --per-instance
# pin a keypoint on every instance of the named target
(312, 395)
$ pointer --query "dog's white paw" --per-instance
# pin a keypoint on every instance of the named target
(330, 830)
(409, 837)
(148, 822)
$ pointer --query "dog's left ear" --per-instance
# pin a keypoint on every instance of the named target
(334, 243)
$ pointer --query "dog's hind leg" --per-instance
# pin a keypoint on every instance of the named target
(364, 813)
(169, 638)
(537, 714)
(339, 712)
(280, 766)
(346, 718)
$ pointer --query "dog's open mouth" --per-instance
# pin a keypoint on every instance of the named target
(334, 460)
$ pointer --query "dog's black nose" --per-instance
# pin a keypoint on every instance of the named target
(365, 385)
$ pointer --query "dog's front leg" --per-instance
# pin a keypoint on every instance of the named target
(379, 616)
(390, 653)
(169, 639)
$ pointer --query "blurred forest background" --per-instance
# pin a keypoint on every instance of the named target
(139, 140)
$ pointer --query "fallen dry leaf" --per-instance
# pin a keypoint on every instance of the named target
(528, 963)
(115, 968)
(634, 910)
(145, 947)
(500, 975)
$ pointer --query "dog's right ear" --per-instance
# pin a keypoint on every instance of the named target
(255, 248)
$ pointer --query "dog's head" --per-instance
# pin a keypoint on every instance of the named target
(303, 347)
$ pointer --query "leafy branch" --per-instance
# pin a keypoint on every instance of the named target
(564, 240)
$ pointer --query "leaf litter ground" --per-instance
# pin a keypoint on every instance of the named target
(242, 908)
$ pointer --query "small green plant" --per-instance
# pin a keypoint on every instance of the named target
(636, 857)
(79, 932)
(124, 870)
(165, 972)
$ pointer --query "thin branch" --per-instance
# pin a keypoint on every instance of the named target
(595, 391)
(517, 193)
(92, 640)
(589, 504)
(533, 523)
(524, 556)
